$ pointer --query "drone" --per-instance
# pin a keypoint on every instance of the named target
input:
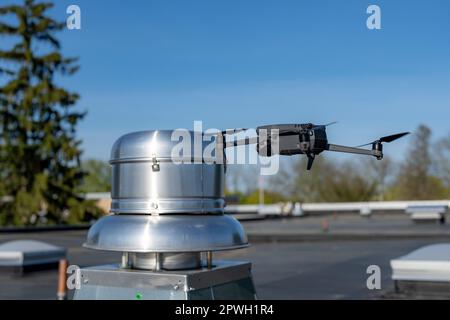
(308, 139)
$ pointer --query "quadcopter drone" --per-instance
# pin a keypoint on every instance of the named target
(308, 139)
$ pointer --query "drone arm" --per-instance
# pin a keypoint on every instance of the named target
(338, 148)
(241, 142)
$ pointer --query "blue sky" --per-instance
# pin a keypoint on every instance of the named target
(163, 64)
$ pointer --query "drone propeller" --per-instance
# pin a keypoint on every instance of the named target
(325, 125)
(393, 137)
(387, 139)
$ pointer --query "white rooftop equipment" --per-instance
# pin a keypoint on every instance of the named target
(427, 213)
(425, 271)
(297, 211)
(24, 254)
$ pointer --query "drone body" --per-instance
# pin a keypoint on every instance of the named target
(308, 139)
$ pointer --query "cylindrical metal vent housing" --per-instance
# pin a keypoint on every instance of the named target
(167, 202)
(166, 172)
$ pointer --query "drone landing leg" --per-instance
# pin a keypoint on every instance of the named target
(310, 161)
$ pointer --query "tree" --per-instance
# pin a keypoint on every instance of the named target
(349, 183)
(270, 197)
(328, 181)
(241, 178)
(415, 181)
(39, 152)
(442, 160)
(98, 176)
(381, 172)
(309, 186)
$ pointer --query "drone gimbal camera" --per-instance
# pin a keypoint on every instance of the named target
(306, 139)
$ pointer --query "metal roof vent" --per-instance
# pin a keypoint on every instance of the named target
(167, 216)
